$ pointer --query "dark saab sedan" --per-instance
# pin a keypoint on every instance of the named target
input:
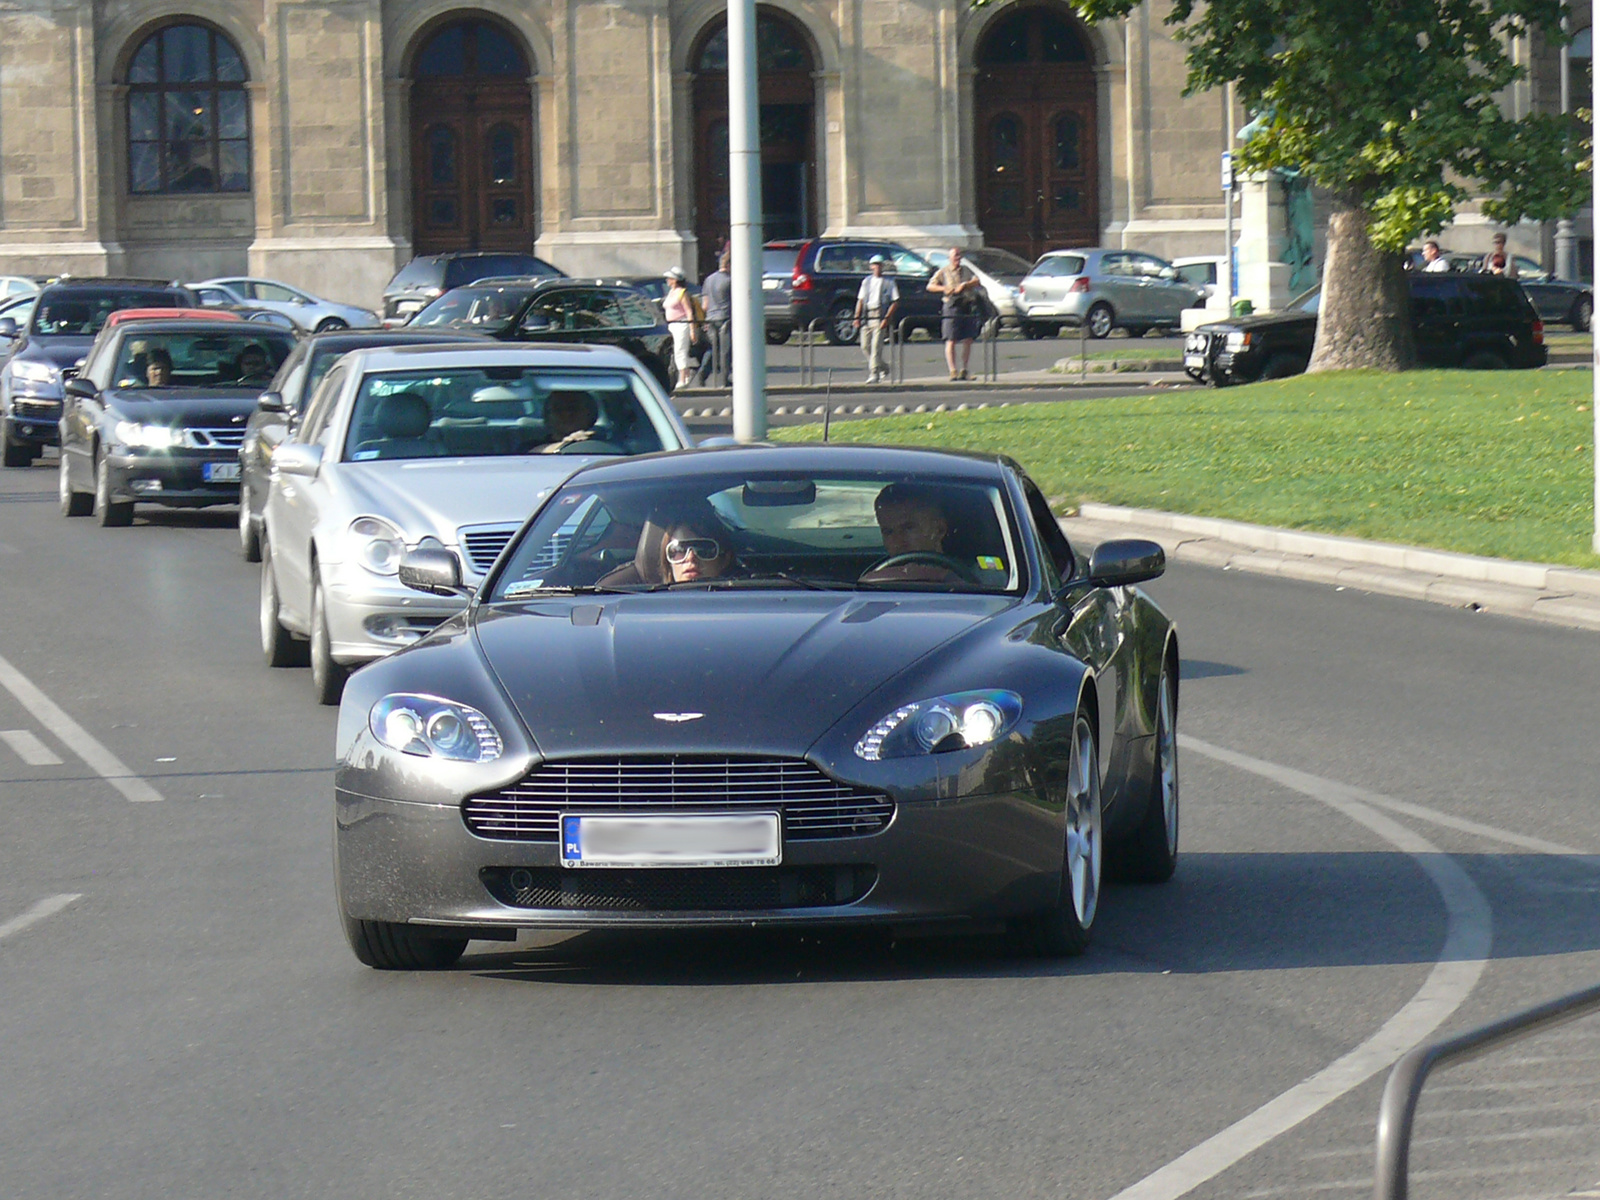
(764, 685)
(158, 414)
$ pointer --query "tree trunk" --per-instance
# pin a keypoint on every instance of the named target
(1366, 303)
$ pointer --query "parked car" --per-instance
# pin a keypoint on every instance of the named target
(1001, 273)
(280, 406)
(308, 312)
(1558, 301)
(130, 435)
(1102, 290)
(826, 273)
(446, 446)
(430, 276)
(831, 730)
(1479, 322)
(17, 285)
(559, 310)
(65, 319)
(1203, 271)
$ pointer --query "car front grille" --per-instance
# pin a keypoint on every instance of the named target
(813, 806)
(483, 544)
(214, 439)
(26, 407)
(719, 889)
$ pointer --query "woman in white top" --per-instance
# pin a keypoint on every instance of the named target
(682, 319)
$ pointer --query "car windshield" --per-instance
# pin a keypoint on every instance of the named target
(778, 260)
(1310, 301)
(237, 357)
(484, 309)
(476, 412)
(1002, 264)
(82, 313)
(1059, 264)
(850, 532)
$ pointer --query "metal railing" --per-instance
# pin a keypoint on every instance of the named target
(808, 349)
(1398, 1111)
(988, 354)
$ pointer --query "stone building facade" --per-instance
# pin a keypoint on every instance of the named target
(325, 141)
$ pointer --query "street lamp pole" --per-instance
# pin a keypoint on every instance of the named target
(748, 329)
(1594, 400)
(1566, 237)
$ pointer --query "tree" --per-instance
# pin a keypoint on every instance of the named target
(1394, 107)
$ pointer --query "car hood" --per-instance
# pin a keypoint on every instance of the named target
(184, 406)
(766, 672)
(1280, 320)
(439, 495)
(61, 352)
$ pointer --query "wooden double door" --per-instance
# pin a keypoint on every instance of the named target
(472, 165)
(1037, 155)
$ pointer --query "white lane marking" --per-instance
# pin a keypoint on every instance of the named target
(74, 736)
(48, 907)
(29, 748)
(1468, 931)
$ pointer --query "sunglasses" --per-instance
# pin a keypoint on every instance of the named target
(705, 549)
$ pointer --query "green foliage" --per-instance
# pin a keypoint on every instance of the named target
(1485, 462)
(1394, 104)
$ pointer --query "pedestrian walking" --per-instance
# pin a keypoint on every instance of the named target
(683, 319)
(960, 288)
(1499, 261)
(876, 302)
(716, 292)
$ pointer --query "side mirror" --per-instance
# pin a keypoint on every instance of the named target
(1125, 561)
(8, 327)
(271, 402)
(432, 570)
(535, 324)
(82, 389)
(297, 458)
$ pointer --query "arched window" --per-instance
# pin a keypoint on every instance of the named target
(471, 48)
(188, 114)
(1032, 35)
(779, 47)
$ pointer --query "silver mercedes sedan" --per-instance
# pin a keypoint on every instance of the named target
(429, 446)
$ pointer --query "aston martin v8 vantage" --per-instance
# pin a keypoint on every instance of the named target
(765, 685)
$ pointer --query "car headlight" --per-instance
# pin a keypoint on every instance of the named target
(954, 722)
(140, 436)
(379, 546)
(433, 728)
(28, 371)
(1238, 340)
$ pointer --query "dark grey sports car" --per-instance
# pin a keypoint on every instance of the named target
(764, 685)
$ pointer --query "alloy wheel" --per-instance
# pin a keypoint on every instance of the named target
(1083, 825)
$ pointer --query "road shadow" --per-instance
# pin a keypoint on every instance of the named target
(1221, 913)
(221, 517)
(1199, 668)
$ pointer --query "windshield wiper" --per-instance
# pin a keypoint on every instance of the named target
(805, 581)
(588, 589)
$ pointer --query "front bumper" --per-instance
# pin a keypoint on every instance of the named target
(980, 857)
(173, 478)
(34, 421)
(370, 616)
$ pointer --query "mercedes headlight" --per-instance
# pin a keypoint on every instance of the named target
(28, 371)
(139, 436)
(1238, 340)
(378, 545)
(433, 728)
(954, 722)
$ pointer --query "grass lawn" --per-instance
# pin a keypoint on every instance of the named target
(1498, 463)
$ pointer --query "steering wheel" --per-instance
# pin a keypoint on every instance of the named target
(927, 557)
(591, 446)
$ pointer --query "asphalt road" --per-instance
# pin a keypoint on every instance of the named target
(180, 1017)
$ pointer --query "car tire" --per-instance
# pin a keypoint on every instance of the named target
(73, 503)
(278, 646)
(777, 337)
(327, 676)
(112, 514)
(1150, 855)
(1100, 321)
(1034, 331)
(1582, 315)
(840, 327)
(330, 324)
(249, 536)
(389, 947)
(1136, 331)
(18, 454)
(1063, 929)
(1484, 360)
(1282, 366)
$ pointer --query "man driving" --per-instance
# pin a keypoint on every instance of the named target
(158, 368)
(914, 527)
(569, 417)
(254, 365)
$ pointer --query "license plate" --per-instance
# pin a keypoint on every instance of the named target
(1194, 360)
(220, 472)
(681, 840)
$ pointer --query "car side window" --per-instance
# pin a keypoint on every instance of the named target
(1115, 264)
(835, 260)
(293, 388)
(321, 407)
(909, 266)
(1059, 559)
(636, 311)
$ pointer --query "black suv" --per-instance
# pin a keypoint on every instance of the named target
(558, 310)
(1480, 322)
(824, 277)
(430, 276)
(66, 317)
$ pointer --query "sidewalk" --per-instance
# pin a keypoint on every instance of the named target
(1558, 595)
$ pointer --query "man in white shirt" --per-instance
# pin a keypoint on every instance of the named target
(876, 302)
(1432, 261)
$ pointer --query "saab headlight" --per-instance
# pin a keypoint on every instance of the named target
(954, 722)
(433, 728)
(378, 545)
(29, 371)
(139, 436)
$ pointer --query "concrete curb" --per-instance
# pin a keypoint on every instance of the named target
(1560, 595)
(1020, 381)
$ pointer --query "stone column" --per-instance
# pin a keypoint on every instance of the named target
(1263, 229)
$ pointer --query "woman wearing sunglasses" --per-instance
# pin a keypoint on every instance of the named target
(692, 554)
